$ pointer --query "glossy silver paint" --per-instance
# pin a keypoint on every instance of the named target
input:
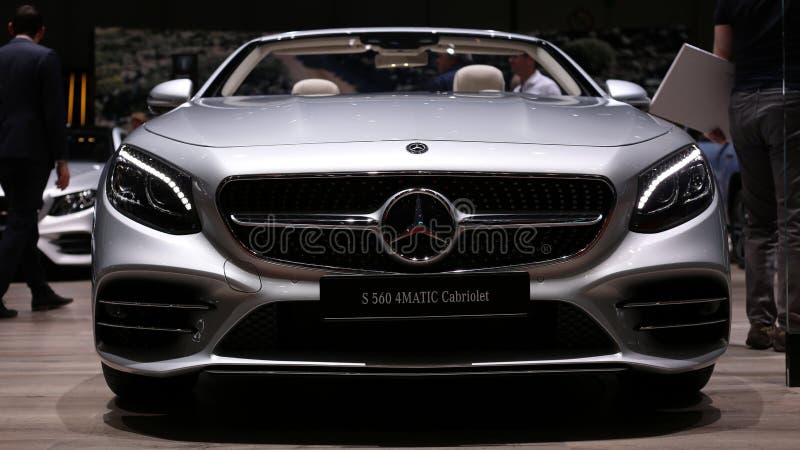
(407, 117)
(630, 93)
(213, 139)
(169, 94)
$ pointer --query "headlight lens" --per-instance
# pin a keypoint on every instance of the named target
(72, 203)
(673, 191)
(152, 192)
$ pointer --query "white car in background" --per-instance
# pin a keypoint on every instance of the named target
(65, 220)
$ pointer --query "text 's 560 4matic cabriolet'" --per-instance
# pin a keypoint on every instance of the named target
(317, 207)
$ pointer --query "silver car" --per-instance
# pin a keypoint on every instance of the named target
(316, 209)
(65, 219)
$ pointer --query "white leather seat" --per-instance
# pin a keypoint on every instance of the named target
(479, 78)
(315, 86)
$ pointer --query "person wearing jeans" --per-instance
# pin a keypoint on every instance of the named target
(756, 35)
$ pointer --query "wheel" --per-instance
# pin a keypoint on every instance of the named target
(148, 389)
(671, 388)
(738, 219)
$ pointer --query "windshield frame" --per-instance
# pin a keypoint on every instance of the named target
(214, 86)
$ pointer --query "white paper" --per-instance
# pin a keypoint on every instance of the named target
(696, 91)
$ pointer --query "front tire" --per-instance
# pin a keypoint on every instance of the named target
(145, 389)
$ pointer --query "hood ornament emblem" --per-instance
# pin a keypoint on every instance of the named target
(416, 148)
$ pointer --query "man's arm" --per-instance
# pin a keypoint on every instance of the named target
(723, 41)
(723, 47)
(55, 116)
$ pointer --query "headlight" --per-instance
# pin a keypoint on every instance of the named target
(673, 191)
(72, 203)
(152, 192)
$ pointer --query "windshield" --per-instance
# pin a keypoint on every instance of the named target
(357, 73)
(344, 65)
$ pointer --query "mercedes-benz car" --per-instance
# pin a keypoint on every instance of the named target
(65, 218)
(317, 209)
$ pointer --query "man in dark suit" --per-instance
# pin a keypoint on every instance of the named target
(32, 141)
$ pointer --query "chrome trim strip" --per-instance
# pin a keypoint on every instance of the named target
(140, 328)
(410, 318)
(306, 220)
(467, 221)
(529, 220)
(154, 305)
(672, 302)
(683, 325)
(414, 173)
(420, 373)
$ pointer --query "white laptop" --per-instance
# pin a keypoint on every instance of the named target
(696, 91)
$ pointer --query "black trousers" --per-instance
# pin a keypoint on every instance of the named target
(765, 126)
(23, 182)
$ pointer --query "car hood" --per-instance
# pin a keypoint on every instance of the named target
(280, 120)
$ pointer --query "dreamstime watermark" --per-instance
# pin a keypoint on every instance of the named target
(274, 238)
(268, 239)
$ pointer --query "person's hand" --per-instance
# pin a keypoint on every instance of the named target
(62, 172)
(716, 135)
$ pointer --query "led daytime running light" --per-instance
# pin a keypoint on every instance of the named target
(690, 158)
(158, 174)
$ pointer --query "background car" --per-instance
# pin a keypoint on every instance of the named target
(483, 232)
(65, 220)
(726, 170)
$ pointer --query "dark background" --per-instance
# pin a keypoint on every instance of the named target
(70, 23)
(642, 37)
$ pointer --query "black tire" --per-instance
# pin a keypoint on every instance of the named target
(671, 388)
(144, 389)
(737, 218)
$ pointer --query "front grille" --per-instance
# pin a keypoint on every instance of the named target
(362, 249)
(295, 330)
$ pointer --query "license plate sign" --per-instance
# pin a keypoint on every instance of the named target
(424, 296)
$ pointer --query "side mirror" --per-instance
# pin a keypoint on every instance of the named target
(168, 95)
(630, 93)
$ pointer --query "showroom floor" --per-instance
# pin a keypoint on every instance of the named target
(53, 395)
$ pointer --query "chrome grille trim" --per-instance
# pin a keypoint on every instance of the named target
(681, 325)
(370, 221)
(529, 220)
(153, 305)
(143, 328)
(339, 221)
(672, 302)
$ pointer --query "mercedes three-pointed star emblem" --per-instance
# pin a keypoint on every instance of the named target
(417, 148)
(418, 226)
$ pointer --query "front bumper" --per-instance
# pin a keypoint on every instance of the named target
(637, 268)
(66, 240)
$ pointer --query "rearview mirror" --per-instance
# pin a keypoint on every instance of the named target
(630, 93)
(383, 61)
(168, 95)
